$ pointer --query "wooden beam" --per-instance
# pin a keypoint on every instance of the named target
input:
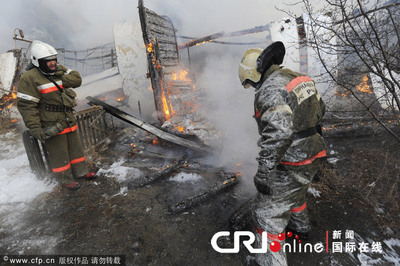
(222, 34)
(150, 178)
(204, 195)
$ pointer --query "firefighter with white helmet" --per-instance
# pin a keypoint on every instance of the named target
(46, 102)
(287, 109)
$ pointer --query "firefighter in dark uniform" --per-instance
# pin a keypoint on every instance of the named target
(288, 109)
(46, 101)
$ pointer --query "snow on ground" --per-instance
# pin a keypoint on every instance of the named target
(18, 183)
(314, 192)
(186, 177)
(18, 188)
(120, 172)
(390, 254)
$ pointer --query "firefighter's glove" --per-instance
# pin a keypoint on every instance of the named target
(59, 72)
(262, 183)
(38, 133)
(53, 130)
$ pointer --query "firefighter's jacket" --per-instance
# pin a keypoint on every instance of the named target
(287, 110)
(36, 93)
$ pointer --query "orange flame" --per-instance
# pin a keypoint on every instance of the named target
(155, 141)
(165, 107)
(363, 86)
(104, 98)
(343, 94)
(150, 48)
(9, 100)
(179, 128)
(203, 42)
(181, 75)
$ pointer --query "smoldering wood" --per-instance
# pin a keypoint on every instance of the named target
(150, 154)
(222, 35)
(205, 195)
(150, 178)
(256, 29)
(148, 127)
(163, 60)
(201, 40)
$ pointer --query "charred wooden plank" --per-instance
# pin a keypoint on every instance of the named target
(205, 195)
(169, 57)
(223, 34)
(161, 30)
(150, 154)
(169, 43)
(169, 64)
(201, 40)
(147, 179)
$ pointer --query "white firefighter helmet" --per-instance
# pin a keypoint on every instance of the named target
(248, 67)
(41, 50)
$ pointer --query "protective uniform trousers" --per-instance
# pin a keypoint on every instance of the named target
(284, 207)
(67, 159)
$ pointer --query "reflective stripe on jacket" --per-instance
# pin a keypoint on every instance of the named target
(36, 90)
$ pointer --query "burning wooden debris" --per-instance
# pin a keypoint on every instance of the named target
(8, 100)
(175, 94)
(147, 179)
(218, 35)
(154, 161)
(9, 77)
(148, 127)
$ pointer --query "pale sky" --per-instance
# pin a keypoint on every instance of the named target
(77, 24)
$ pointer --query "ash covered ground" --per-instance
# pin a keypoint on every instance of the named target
(356, 190)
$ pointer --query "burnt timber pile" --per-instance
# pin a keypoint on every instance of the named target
(185, 135)
(173, 87)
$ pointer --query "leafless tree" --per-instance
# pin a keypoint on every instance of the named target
(367, 43)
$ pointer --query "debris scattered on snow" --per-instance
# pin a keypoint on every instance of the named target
(122, 192)
(186, 177)
(389, 231)
(120, 172)
(333, 160)
(314, 192)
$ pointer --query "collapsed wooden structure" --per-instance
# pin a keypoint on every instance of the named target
(148, 127)
(174, 98)
(175, 95)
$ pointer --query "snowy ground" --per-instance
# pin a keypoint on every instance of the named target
(18, 188)
(104, 216)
